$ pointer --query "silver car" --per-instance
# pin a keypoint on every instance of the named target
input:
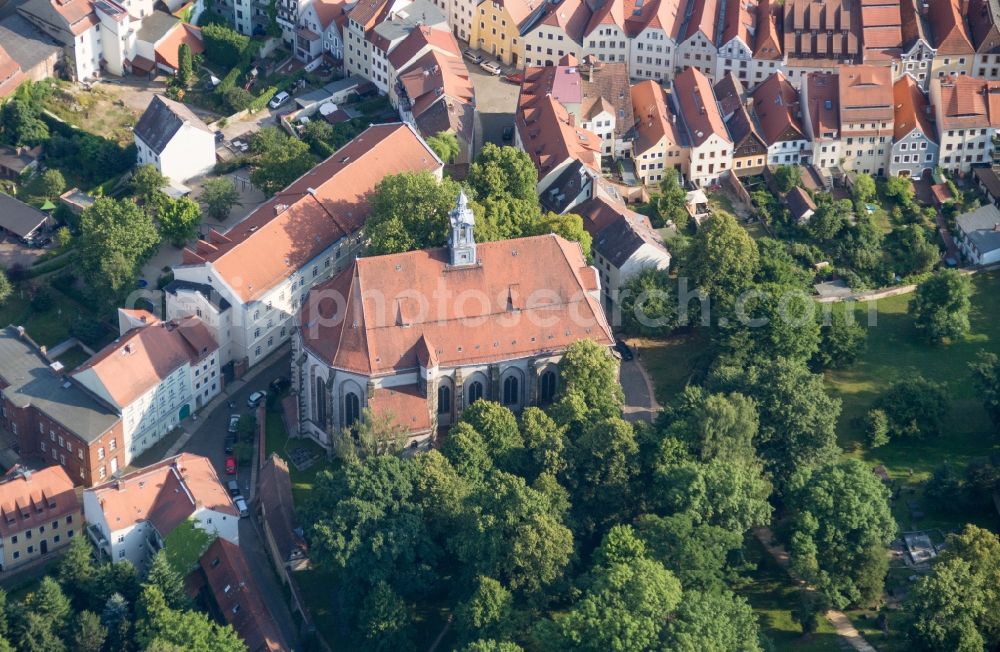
(241, 505)
(490, 67)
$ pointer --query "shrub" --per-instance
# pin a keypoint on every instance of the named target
(261, 100)
(223, 45)
(915, 407)
(877, 428)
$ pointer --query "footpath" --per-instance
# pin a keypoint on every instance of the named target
(838, 619)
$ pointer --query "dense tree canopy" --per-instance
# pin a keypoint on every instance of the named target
(277, 160)
(410, 211)
(723, 261)
(444, 144)
(940, 306)
(219, 195)
(841, 526)
(503, 171)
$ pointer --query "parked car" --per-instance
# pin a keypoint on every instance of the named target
(230, 443)
(472, 56)
(280, 384)
(234, 423)
(219, 136)
(279, 100)
(508, 134)
(624, 350)
(490, 67)
(241, 505)
(256, 399)
(234, 488)
(230, 465)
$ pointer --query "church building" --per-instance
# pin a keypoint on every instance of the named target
(423, 334)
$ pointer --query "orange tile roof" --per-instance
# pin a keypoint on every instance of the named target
(822, 29)
(330, 11)
(367, 12)
(404, 405)
(607, 12)
(910, 109)
(238, 597)
(78, 14)
(696, 100)
(525, 297)
(548, 132)
(776, 102)
(653, 118)
(433, 75)
(949, 30)
(168, 51)
(571, 16)
(419, 38)
(740, 21)
(519, 10)
(143, 357)
(703, 16)
(824, 104)
(165, 494)
(865, 93)
(11, 75)
(969, 102)
(27, 492)
(327, 203)
(657, 14)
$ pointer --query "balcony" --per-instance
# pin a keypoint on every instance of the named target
(98, 539)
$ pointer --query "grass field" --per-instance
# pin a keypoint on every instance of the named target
(895, 352)
(773, 597)
(672, 362)
(48, 328)
(278, 442)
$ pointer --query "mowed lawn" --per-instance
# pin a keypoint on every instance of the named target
(895, 351)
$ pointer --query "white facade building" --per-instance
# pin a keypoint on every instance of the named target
(170, 137)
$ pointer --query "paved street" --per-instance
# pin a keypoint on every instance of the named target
(496, 100)
(208, 441)
(640, 404)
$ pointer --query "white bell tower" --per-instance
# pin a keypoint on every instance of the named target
(461, 241)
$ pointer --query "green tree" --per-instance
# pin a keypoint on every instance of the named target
(410, 211)
(697, 553)
(946, 607)
(876, 428)
(985, 375)
(723, 260)
(714, 425)
(713, 620)
(170, 583)
(511, 535)
(900, 189)
(237, 99)
(366, 523)
(912, 251)
(50, 602)
(219, 195)
(146, 183)
(224, 45)
(47, 185)
(158, 626)
(385, 621)
(63, 237)
(21, 124)
(503, 217)
(625, 608)
(278, 160)
(840, 528)
(445, 145)
(589, 373)
(842, 339)
(116, 237)
(648, 304)
(863, 188)
(797, 417)
(672, 202)
(568, 225)
(498, 426)
(179, 221)
(503, 171)
(778, 266)
(544, 442)
(489, 645)
(116, 618)
(6, 287)
(38, 635)
(915, 407)
(787, 177)
(774, 321)
(602, 465)
(487, 612)
(185, 70)
(90, 633)
(621, 545)
(808, 611)
(940, 306)
(468, 451)
(77, 571)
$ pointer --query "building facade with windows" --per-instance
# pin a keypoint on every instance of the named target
(247, 283)
(967, 115)
(155, 376)
(914, 143)
(132, 516)
(497, 28)
(421, 335)
(711, 147)
(39, 515)
(55, 419)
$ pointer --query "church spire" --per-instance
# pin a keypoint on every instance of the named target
(461, 241)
